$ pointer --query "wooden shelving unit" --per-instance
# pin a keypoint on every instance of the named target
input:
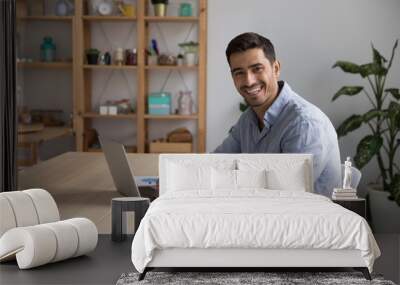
(83, 115)
(171, 117)
(170, 19)
(39, 64)
(108, 18)
(26, 23)
(119, 116)
(99, 66)
(46, 18)
(175, 67)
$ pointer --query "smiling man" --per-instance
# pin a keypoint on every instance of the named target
(278, 120)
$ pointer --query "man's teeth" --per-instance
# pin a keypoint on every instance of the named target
(253, 91)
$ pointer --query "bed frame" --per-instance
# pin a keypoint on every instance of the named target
(242, 259)
(246, 259)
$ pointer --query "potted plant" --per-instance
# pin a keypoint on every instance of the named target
(383, 140)
(190, 50)
(160, 7)
(92, 55)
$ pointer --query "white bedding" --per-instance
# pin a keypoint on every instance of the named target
(251, 218)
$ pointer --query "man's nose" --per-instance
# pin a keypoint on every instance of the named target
(250, 79)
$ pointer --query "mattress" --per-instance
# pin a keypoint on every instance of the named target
(251, 219)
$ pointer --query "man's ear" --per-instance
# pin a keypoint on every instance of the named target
(277, 68)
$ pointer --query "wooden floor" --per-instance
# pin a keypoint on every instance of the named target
(110, 259)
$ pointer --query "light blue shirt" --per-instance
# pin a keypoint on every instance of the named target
(292, 125)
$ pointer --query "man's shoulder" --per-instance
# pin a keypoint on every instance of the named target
(305, 111)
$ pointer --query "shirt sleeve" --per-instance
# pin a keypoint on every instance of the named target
(232, 143)
(308, 136)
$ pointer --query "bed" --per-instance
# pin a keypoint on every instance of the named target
(245, 211)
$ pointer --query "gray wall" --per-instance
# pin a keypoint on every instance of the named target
(309, 36)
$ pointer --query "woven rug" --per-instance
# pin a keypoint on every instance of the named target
(243, 278)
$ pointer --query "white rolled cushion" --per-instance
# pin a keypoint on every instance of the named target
(33, 246)
(7, 218)
(23, 208)
(182, 177)
(223, 179)
(37, 245)
(67, 239)
(251, 178)
(46, 207)
(87, 235)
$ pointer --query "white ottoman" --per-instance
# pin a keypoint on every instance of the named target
(31, 232)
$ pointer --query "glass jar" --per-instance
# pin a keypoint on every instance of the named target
(185, 103)
(131, 57)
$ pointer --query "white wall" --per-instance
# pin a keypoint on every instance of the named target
(309, 36)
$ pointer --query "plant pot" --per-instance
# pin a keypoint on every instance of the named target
(190, 58)
(92, 58)
(385, 214)
(160, 10)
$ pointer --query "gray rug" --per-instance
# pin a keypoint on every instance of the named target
(243, 278)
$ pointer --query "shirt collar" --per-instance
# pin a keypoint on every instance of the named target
(277, 106)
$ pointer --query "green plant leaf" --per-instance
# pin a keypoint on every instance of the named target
(371, 114)
(372, 69)
(347, 66)
(378, 58)
(394, 91)
(394, 114)
(366, 149)
(348, 90)
(350, 124)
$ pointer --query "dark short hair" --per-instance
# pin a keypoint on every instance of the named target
(247, 41)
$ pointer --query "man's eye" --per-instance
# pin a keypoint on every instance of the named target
(238, 73)
(258, 69)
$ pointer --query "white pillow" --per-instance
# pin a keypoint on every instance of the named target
(251, 178)
(223, 179)
(293, 179)
(181, 177)
(282, 174)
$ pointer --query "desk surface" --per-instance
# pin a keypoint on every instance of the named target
(81, 183)
(81, 171)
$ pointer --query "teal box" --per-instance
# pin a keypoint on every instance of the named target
(159, 103)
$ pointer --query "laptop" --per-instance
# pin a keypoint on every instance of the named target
(121, 172)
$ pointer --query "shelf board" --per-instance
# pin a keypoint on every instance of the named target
(108, 18)
(171, 19)
(170, 117)
(102, 66)
(46, 18)
(38, 64)
(119, 116)
(194, 67)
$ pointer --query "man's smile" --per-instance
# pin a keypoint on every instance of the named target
(253, 91)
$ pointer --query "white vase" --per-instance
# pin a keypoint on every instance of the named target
(385, 214)
(190, 58)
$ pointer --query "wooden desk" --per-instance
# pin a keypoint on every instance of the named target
(81, 183)
(33, 140)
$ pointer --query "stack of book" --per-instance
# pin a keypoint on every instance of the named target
(344, 194)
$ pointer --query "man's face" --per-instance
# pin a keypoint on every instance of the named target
(255, 78)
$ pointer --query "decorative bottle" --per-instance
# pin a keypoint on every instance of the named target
(47, 50)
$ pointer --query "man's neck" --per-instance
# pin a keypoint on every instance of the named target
(262, 109)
